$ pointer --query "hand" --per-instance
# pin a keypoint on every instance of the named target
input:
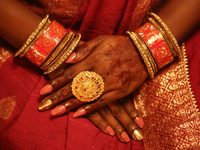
(119, 118)
(114, 58)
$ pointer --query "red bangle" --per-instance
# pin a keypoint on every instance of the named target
(46, 43)
(156, 44)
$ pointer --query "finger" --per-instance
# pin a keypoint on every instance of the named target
(99, 103)
(118, 129)
(127, 103)
(56, 97)
(83, 50)
(64, 77)
(66, 106)
(100, 123)
(122, 116)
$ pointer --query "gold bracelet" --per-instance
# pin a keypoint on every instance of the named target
(35, 39)
(61, 53)
(143, 55)
(148, 54)
(65, 55)
(168, 33)
(32, 36)
(163, 35)
(56, 52)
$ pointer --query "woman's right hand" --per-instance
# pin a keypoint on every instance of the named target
(119, 118)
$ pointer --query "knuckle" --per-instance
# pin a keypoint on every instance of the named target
(133, 113)
(117, 110)
(131, 125)
(69, 73)
(105, 112)
(102, 102)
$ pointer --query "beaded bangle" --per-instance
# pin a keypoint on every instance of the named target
(56, 51)
(65, 55)
(168, 33)
(163, 35)
(142, 53)
(156, 44)
(45, 44)
(32, 36)
(148, 53)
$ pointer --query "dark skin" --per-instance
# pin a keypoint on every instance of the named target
(17, 25)
(175, 14)
(104, 62)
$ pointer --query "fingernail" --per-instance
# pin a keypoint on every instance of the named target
(46, 89)
(139, 122)
(71, 57)
(45, 105)
(138, 134)
(125, 136)
(110, 130)
(79, 113)
(58, 110)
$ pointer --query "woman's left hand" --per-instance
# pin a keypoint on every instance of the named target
(114, 58)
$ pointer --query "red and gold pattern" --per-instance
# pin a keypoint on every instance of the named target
(156, 44)
(168, 109)
(46, 43)
(6, 107)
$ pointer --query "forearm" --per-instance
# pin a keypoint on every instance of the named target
(17, 22)
(181, 16)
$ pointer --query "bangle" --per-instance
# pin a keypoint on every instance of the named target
(168, 33)
(43, 45)
(32, 36)
(156, 44)
(65, 55)
(56, 51)
(142, 53)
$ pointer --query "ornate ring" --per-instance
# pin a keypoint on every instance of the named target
(87, 86)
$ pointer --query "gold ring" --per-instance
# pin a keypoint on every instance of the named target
(87, 86)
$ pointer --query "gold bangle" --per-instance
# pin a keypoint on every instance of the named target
(143, 55)
(148, 53)
(36, 38)
(32, 36)
(60, 54)
(57, 51)
(168, 33)
(163, 35)
(65, 55)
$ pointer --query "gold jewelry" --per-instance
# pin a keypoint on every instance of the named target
(36, 38)
(168, 33)
(32, 36)
(143, 55)
(56, 52)
(163, 35)
(65, 55)
(87, 86)
(148, 53)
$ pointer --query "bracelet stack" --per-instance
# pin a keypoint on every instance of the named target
(155, 43)
(49, 45)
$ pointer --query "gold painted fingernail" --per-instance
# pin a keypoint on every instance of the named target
(138, 134)
(45, 105)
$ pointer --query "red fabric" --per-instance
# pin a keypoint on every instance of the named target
(27, 128)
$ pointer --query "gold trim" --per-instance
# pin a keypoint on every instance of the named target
(183, 49)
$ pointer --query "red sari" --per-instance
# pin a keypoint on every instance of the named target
(171, 119)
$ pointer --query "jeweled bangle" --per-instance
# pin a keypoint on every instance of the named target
(168, 33)
(32, 36)
(156, 44)
(46, 43)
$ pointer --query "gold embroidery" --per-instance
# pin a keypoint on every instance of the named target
(4, 54)
(6, 107)
(167, 106)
